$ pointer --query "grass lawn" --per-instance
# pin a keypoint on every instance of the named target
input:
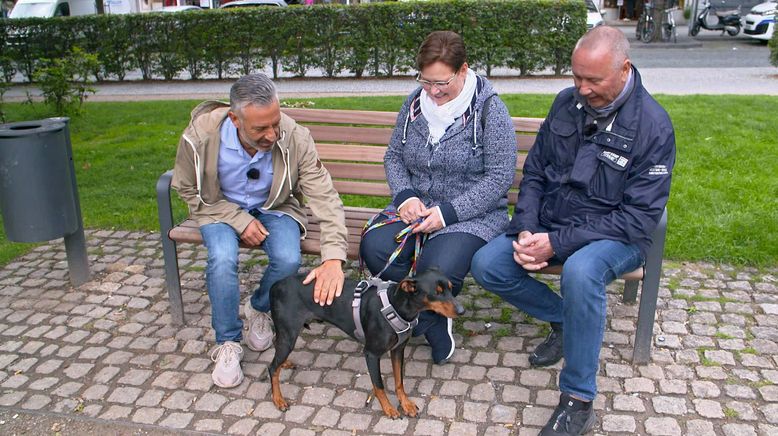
(723, 205)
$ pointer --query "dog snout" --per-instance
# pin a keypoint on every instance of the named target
(460, 310)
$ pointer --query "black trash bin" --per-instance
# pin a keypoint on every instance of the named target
(36, 196)
(38, 192)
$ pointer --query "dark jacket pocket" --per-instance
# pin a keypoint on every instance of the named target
(608, 181)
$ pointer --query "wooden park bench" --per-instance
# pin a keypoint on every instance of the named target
(351, 144)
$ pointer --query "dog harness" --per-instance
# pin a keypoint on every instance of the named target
(401, 327)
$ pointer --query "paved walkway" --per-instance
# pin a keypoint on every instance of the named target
(103, 358)
(676, 81)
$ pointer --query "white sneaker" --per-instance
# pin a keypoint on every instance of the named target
(227, 373)
(260, 334)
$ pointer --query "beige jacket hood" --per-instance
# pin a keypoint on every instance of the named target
(297, 173)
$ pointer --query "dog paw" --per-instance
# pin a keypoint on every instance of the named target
(391, 412)
(287, 365)
(281, 404)
(410, 409)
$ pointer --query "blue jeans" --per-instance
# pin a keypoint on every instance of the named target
(221, 273)
(581, 308)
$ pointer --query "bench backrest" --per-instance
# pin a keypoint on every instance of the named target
(351, 144)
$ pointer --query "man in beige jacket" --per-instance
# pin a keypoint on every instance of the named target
(243, 170)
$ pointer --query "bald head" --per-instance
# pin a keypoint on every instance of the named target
(601, 65)
(606, 41)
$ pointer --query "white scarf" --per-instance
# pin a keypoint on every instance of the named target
(439, 118)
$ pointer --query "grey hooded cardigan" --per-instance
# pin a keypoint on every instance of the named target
(467, 174)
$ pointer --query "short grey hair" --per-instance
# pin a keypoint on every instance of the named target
(609, 38)
(256, 89)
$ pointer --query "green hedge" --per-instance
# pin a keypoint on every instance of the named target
(378, 39)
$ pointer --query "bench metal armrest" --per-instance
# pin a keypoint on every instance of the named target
(165, 210)
(650, 293)
(164, 204)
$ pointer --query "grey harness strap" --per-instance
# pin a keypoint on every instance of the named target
(359, 332)
(401, 327)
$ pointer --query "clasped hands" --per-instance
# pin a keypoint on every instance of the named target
(329, 275)
(413, 210)
(532, 250)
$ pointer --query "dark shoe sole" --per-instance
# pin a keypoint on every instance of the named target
(536, 364)
(588, 426)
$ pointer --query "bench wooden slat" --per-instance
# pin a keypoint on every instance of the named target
(365, 135)
(525, 141)
(337, 116)
(521, 124)
(362, 188)
(348, 152)
(341, 170)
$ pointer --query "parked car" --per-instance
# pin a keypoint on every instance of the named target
(593, 15)
(760, 21)
(52, 8)
(68, 8)
(182, 8)
(253, 3)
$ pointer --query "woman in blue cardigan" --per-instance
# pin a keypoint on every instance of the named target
(449, 164)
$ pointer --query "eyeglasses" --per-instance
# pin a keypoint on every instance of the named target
(439, 85)
(252, 174)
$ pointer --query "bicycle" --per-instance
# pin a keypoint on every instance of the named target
(646, 25)
(668, 26)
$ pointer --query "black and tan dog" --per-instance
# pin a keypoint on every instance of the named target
(293, 307)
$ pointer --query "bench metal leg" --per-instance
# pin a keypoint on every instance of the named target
(630, 291)
(648, 295)
(169, 251)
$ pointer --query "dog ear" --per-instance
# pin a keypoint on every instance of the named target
(443, 286)
(408, 285)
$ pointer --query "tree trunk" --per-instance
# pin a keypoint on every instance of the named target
(659, 15)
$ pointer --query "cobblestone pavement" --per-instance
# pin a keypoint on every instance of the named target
(105, 356)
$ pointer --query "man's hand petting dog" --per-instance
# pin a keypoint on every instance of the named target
(329, 281)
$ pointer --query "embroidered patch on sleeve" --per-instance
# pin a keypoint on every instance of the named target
(658, 170)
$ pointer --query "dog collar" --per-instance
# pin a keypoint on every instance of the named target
(401, 327)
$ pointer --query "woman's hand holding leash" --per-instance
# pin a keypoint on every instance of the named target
(431, 222)
(411, 210)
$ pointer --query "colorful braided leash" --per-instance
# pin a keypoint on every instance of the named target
(401, 238)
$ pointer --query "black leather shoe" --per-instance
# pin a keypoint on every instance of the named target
(570, 418)
(550, 351)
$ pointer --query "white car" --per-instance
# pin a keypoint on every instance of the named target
(593, 15)
(252, 3)
(760, 22)
(181, 8)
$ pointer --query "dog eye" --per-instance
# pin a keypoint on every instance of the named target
(439, 289)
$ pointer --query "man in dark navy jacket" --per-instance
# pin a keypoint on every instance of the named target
(594, 187)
